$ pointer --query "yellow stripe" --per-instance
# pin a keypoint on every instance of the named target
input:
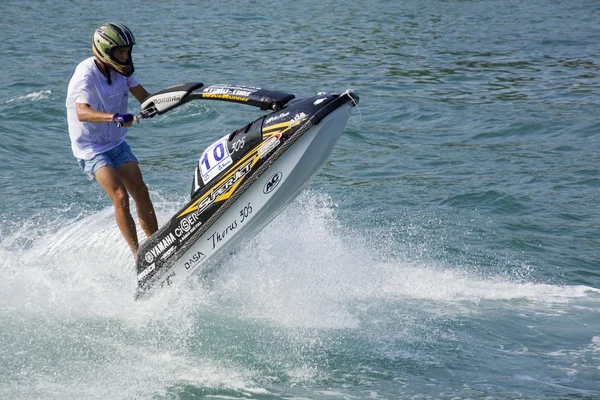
(269, 134)
(277, 126)
(251, 153)
(194, 205)
(225, 196)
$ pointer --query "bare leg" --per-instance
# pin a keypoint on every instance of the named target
(108, 178)
(131, 176)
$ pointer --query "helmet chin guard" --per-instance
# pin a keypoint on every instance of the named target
(109, 37)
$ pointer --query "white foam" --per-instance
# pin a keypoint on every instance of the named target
(34, 96)
(83, 269)
(303, 271)
(302, 261)
(595, 345)
(133, 372)
(73, 287)
(433, 282)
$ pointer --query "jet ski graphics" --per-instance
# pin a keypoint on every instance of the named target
(244, 179)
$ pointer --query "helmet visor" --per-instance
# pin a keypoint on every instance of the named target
(120, 55)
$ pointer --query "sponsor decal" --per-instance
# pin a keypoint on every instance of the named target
(268, 145)
(276, 118)
(298, 118)
(145, 272)
(232, 91)
(245, 212)
(224, 187)
(272, 183)
(148, 257)
(167, 253)
(227, 92)
(238, 144)
(214, 159)
(217, 237)
(166, 99)
(223, 96)
(160, 247)
(194, 260)
(188, 225)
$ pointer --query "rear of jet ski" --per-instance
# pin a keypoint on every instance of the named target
(302, 161)
(296, 142)
(276, 188)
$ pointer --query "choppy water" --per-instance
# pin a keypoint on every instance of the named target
(449, 249)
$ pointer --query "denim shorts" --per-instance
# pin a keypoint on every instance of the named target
(116, 157)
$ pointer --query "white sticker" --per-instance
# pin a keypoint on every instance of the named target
(214, 160)
(146, 271)
(268, 145)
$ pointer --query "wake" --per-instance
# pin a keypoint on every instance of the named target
(304, 260)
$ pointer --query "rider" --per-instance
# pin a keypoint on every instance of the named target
(98, 121)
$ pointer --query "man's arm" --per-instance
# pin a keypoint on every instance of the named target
(85, 113)
(139, 93)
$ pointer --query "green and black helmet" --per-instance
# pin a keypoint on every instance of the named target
(106, 39)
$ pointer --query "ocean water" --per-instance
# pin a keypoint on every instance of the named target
(449, 249)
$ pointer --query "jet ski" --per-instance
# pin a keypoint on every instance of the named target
(244, 179)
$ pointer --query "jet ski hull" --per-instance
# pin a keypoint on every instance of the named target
(261, 198)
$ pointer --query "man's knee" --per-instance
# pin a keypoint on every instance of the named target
(120, 198)
(141, 192)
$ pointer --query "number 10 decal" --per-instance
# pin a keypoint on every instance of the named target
(217, 155)
(215, 159)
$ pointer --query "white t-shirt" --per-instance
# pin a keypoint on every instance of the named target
(89, 86)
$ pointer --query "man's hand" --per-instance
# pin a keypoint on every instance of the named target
(125, 119)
